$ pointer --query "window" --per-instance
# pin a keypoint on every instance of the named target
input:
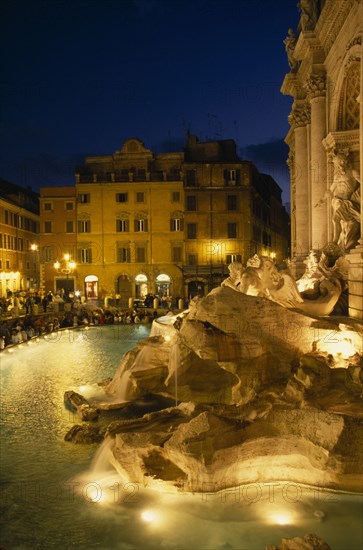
(230, 258)
(85, 255)
(69, 226)
(232, 230)
(176, 254)
(191, 230)
(231, 202)
(190, 178)
(48, 206)
(69, 206)
(122, 197)
(48, 253)
(122, 226)
(48, 227)
(191, 203)
(123, 254)
(176, 224)
(1, 240)
(140, 225)
(84, 226)
(6, 217)
(20, 244)
(192, 259)
(175, 196)
(140, 196)
(232, 177)
(140, 254)
(7, 264)
(84, 198)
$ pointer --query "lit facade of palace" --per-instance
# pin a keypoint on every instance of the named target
(165, 224)
(19, 239)
(325, 138)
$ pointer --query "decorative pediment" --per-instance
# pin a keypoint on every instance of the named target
(177, 215)
(141, 215)
(122, 215)
(133, 148)
(83, 216)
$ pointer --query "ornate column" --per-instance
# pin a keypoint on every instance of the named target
(299, 120)
(315, 86)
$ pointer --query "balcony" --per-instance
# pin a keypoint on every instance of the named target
(205, 270)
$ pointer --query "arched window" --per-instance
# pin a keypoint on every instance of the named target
(348, 118)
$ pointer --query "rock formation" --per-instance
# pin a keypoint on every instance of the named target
(262, 393)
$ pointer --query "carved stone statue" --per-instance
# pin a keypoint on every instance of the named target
(235, 272)
(290, 43)
(261, 278)
(309, 14)
(345, 192)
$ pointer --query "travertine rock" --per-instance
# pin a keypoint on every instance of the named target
(79, 404)
(84, 434)
(308, 542)
(270, 400)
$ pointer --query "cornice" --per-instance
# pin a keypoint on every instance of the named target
(348, 139)
(293, 86)
(307, 43)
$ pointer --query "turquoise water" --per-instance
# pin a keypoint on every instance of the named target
(52, 499)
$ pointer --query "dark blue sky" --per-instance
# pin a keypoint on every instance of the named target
(81, 76)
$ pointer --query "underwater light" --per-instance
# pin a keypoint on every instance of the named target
(148, 516)
(281, 518)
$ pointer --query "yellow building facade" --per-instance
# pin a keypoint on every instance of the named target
(129, 235)
(164, 224)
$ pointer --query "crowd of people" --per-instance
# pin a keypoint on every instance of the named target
(20, 329)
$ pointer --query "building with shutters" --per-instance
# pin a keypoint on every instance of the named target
(58, 238)
(166, 223)
(19, 239)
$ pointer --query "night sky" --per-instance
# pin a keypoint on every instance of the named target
(81, 76)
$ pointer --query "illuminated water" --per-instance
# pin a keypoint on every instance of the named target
(42, 506)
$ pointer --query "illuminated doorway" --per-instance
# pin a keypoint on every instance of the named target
(91, 287)
(141, 286)
(162, 284)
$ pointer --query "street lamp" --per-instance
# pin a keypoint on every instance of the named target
(34, 248)
(65, 266)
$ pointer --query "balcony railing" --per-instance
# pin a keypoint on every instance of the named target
(109, 177)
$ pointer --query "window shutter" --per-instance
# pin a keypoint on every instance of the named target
(136, 225)
(238, 177)
(171, 224)
(182, 225)
(145, 225)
